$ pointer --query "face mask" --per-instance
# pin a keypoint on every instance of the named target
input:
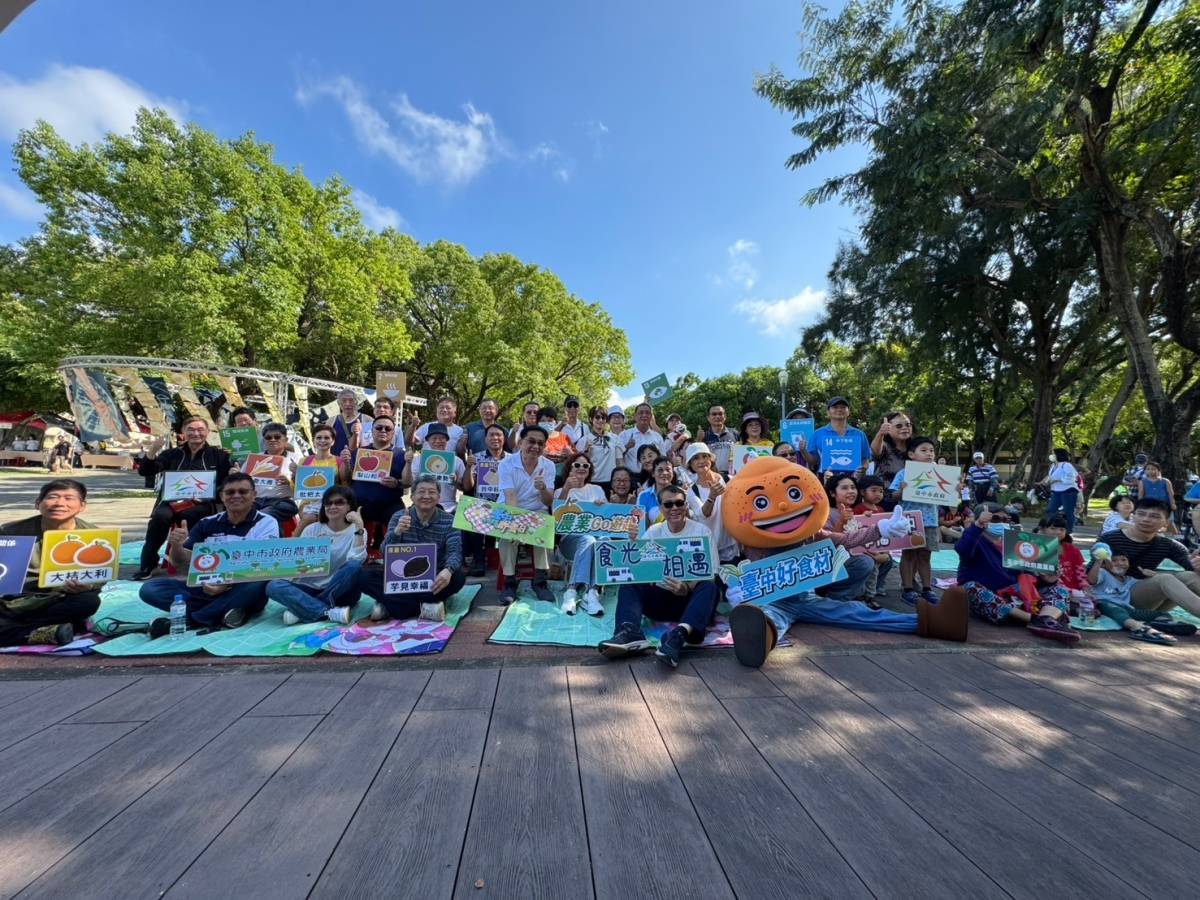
(996, 529)
(1052, 458)
(549, 426)
(1120, 571)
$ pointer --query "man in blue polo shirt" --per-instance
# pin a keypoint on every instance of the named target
(839, 446)
(214, 605)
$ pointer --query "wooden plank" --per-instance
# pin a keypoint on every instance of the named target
(460, 689)
(43, 827)
(730, 680)
(278, 844)
(766, 841)
(878, 833)
(406, 838)
(984, 826)
(143, 850)
(526, 836)
(59, 701)
(12, 691)
(1058, 803)
(141, 702)
(859, 674)
(630, 789)
(307, 694)
(39, 759)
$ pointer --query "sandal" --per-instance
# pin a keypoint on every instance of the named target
(1170, 626)
(1053, 629)
(1150, 636)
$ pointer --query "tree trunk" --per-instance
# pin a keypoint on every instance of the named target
(1042, 425)
(1094, 463)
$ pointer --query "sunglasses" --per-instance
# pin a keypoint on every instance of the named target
(580, 465)
(237, 492)
(785, 453)
(337, 502)
(274, 437)
(673, 504)
(383, 428)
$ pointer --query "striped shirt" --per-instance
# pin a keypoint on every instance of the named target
(1146, 556)
(439, 531)
(984, 474)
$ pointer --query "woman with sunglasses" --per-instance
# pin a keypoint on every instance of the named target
(889, 447)
(577, 486)
(329, 596)
(275, 499)
(379, 500)
(785, 450)
(529, 418)
(664, 474)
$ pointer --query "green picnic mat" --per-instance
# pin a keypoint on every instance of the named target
(265, 635)
(947, 561)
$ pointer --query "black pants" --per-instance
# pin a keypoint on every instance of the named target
(160, 524)
(476, 546)
(281, 509)
(381, 512)
(405, 606)
(16, 626)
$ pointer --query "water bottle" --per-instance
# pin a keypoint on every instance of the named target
(178, 617)
(1087, 609)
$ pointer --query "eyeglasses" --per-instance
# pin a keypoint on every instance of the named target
(237, 492)
(384, 428)
(274, 437)
(788, 453)
(673, 504)
(580, 465)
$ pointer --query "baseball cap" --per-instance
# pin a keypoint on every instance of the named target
(834, 401)
(977, 455)
(436, 428)
(571, 400)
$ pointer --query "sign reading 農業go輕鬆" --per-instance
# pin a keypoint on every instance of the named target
(600, 520)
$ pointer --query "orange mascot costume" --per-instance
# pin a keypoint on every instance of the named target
(772, 506)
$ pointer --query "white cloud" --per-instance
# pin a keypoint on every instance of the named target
(423, 144)
(740, 270)
(616, 398)
(83, 104)
(560, 166)
(20, 202)
(777, 317)
(376, 215)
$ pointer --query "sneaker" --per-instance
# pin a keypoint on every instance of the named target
(880, 592)
(339, 614)
(570, 601)
(627, 641)
(433, 612)
(541, 590)
(753, 634)
(159, 627)
(290, 618)
(379, 613)
(910, 597)
(141, 575)
(929, 596)
(1053, 629)
(591, 603)
(671, 647)
(52, 634)
(234, 618)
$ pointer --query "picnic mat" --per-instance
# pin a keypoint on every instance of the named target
(266, 635)
(531, 621)
(81, 646)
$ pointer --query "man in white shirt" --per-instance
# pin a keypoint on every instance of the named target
(447, 412)
(527, 482)
(572, 426)
(690, 603)
(644, 432)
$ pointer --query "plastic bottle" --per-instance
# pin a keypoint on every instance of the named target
(178, 617)
(1087, 609)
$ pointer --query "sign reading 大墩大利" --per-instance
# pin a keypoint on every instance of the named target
(232, 562)
(651, 560)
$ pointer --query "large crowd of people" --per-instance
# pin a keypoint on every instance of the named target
(675, 480)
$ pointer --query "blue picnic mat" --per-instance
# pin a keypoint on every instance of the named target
(266, 635)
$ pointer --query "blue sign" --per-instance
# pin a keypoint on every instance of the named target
(841, 453)
(651, 560)
(791, 430)
(14, 563)
(800, 570)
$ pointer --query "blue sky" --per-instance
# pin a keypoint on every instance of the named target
(618, 144)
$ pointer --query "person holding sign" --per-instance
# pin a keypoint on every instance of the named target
(48, 615)
(194, 455)
(323, 439)
(425, 523)
(839, 446)
(329, 596)
(378, 500)
(526, 482)
(276, 499)
(996, 594)
(422, 462)
(690, 603)
(350, 427)
(214, 605)
(579, 547)
(916, 562)
(483, 473)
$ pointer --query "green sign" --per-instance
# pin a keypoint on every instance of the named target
(1028, 552)
(507, 523)
(233, 562)
(437, 463)
(650, 560)
(657, 389)
(241, 441)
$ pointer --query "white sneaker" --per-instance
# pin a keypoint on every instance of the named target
(339, 614)
(379, 613)
(591, 603)
(290, 618)
(569, 601)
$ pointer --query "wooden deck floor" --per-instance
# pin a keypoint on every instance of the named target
(887, 774)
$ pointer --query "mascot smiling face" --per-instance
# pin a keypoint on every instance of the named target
(773, 503)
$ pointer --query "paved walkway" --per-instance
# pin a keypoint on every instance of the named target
(887, 774)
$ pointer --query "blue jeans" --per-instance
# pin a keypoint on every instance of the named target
(579, 549)
(858, 570)
(308, 603)
(695, 609)
(1064, 502)
(808, 607)
(203, 610)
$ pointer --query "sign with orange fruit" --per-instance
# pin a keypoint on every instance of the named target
(89, 556)
(313, 481)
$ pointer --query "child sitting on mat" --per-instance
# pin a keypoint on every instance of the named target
(1111, 585)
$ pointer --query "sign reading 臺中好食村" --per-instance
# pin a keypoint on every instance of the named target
(651, 560)
(799, 570)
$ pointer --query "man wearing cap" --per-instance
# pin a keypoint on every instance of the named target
(983, 478)
(437, 438)
(572, 426)
(474, 439)
(719, 438)
(839, 446)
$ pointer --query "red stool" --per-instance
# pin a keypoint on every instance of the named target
(287, 527)
(374, 538)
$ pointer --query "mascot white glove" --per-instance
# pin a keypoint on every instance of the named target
(897, 526)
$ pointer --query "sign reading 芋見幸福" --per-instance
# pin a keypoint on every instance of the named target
(651, 560)
(507, 523)
(232, 562)
(88, 556)
(799, 570)
(409, 568)
(600, 520)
